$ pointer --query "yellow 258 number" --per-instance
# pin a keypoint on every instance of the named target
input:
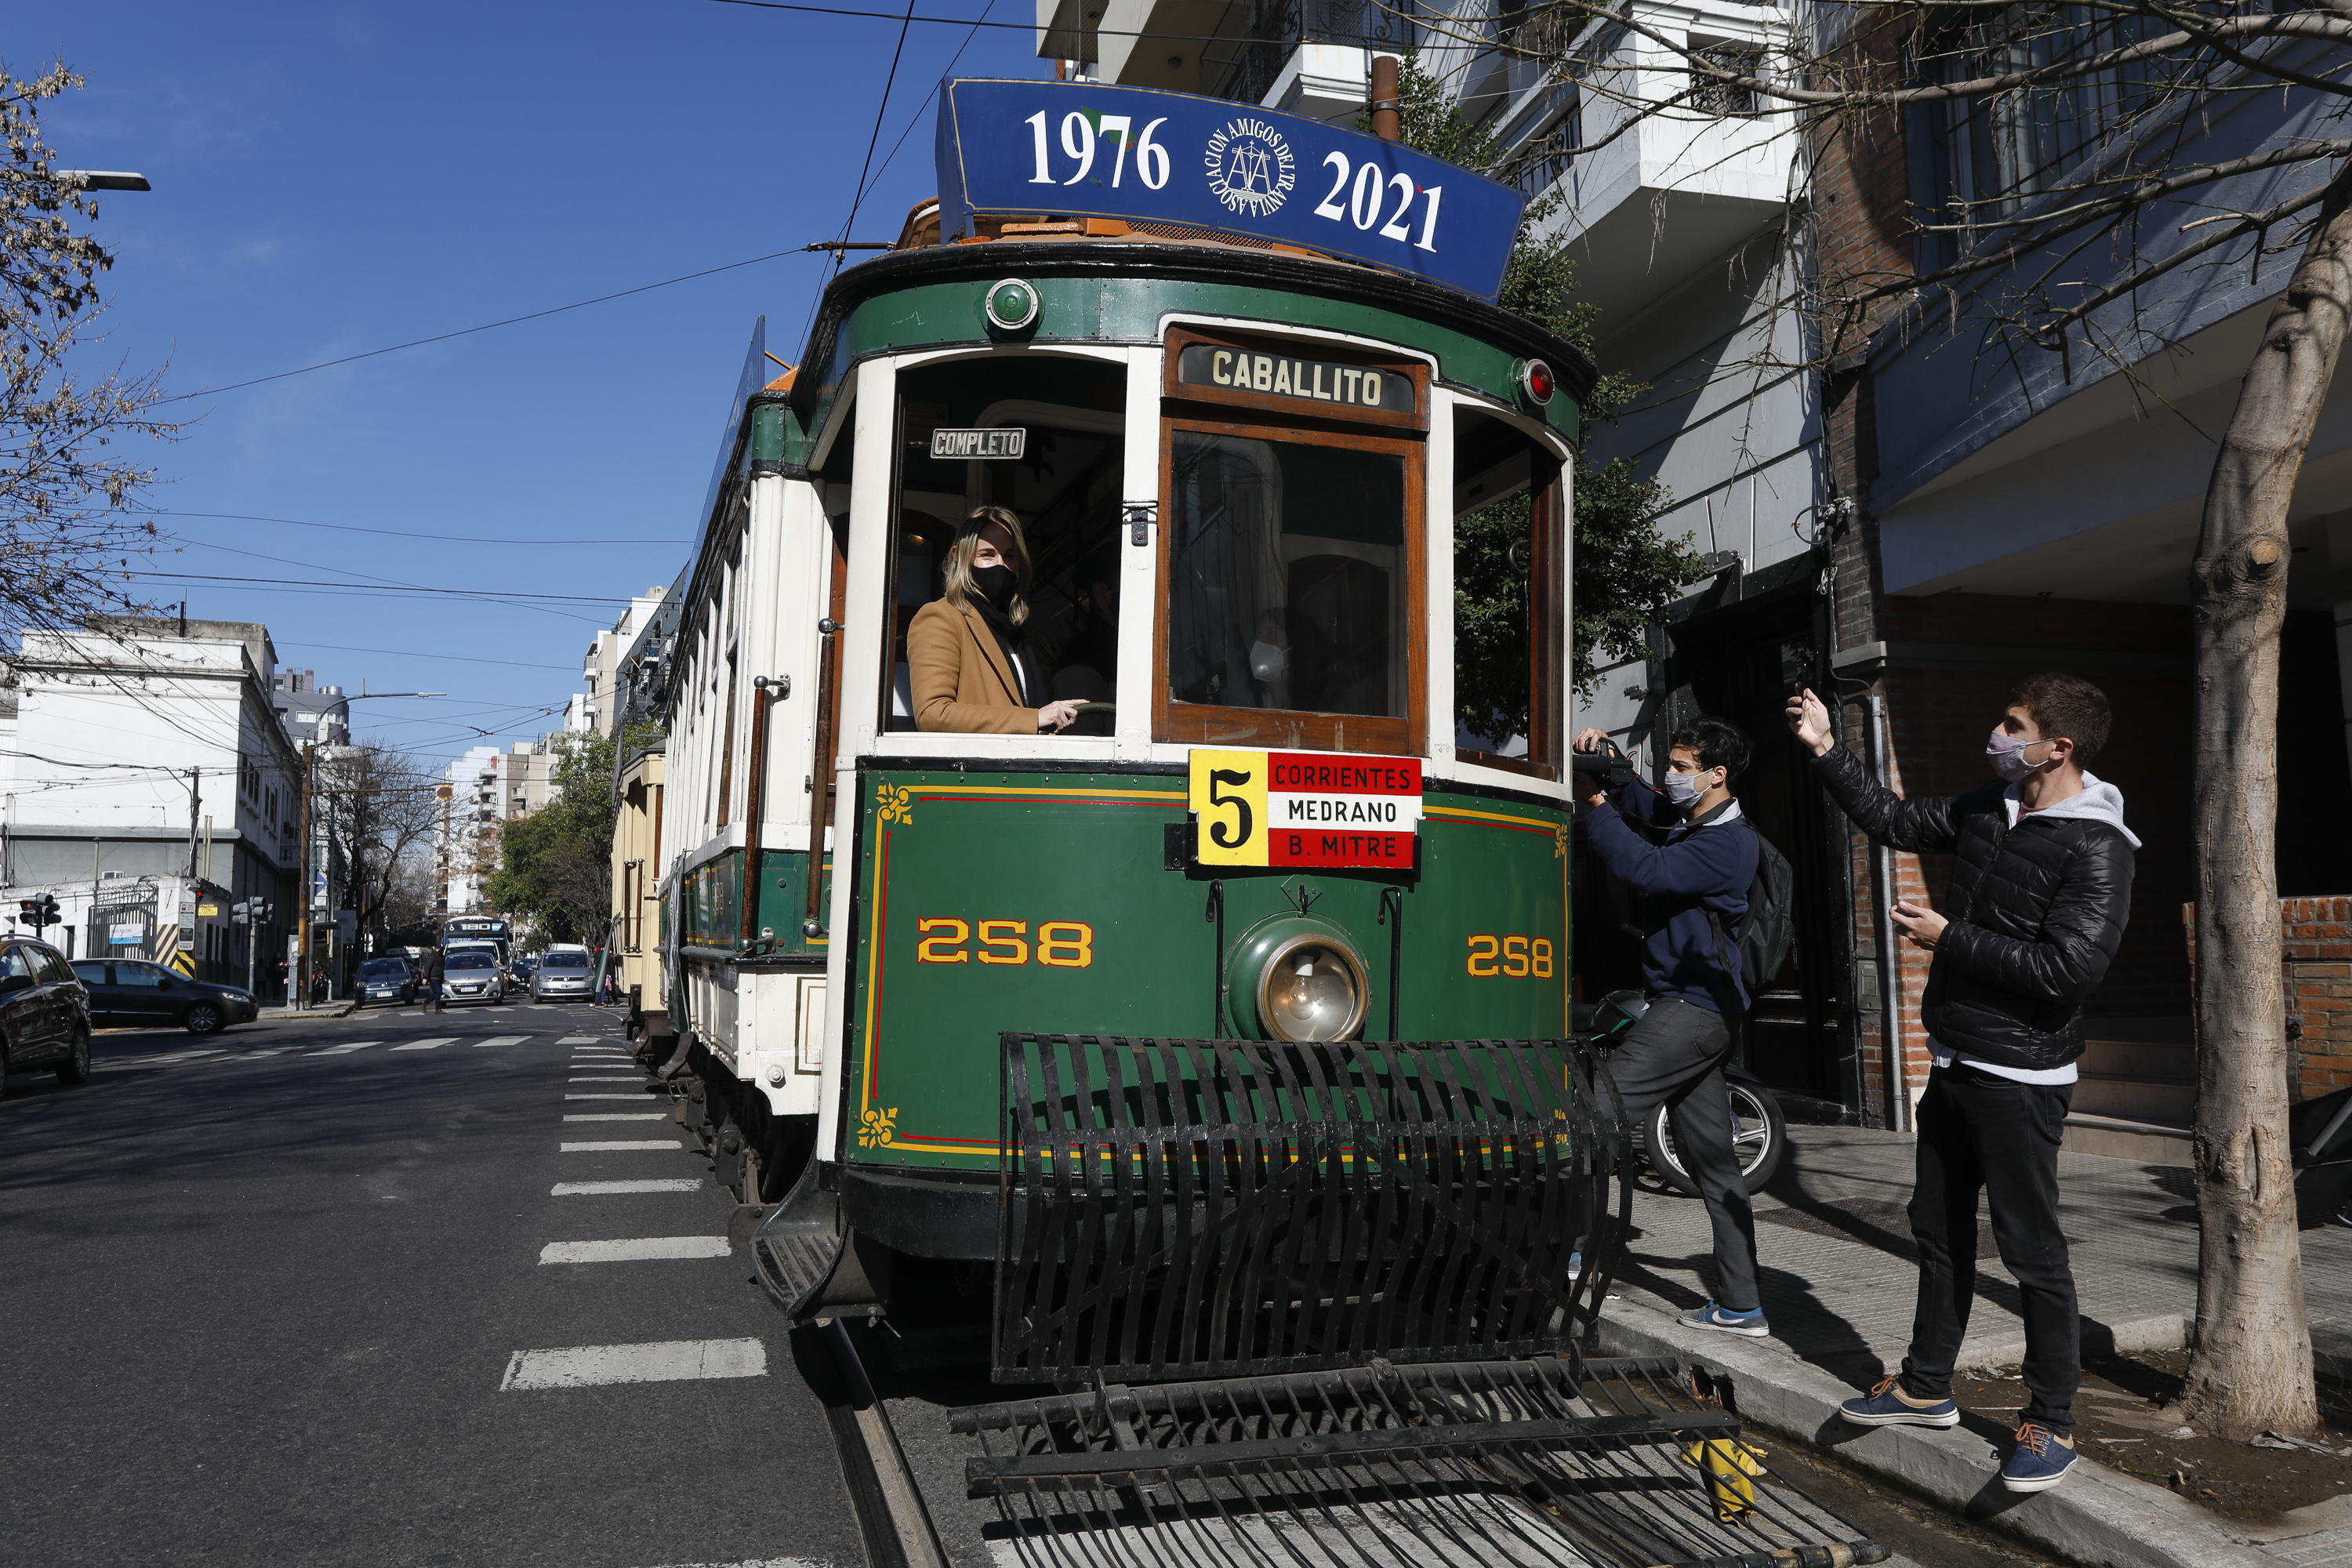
(1510, 957)
(1061, 945)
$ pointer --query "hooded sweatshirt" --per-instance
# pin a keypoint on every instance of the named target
(2096, 801)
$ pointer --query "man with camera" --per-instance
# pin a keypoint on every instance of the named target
(1694, 883)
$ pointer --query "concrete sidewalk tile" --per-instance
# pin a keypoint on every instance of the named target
(2097, 1517)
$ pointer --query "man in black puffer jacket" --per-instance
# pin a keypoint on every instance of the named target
(2041, 887)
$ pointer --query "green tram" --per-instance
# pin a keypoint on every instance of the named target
(1237, 472)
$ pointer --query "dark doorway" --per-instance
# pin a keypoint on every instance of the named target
(1739, 661)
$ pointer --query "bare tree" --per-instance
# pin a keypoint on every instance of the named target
(380, 808)
(2128, 187)
(68, 524)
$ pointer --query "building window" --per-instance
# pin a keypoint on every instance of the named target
(1546, 157)
(1711, 96)
(1997, 152)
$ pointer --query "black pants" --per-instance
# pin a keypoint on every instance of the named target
(1675, 1054)
(1982, 1132)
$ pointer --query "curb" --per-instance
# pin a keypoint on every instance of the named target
(2095, 1516)
(342, 1012)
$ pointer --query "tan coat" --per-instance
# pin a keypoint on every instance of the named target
(959, 676)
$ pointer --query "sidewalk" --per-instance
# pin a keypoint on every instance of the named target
(323, 1010)
(1838, 1285)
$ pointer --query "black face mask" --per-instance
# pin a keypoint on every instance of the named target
(997, 581)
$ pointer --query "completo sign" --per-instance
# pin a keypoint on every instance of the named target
(1305, 809)
(1314, 381)
(999, 444)
(1088, 149)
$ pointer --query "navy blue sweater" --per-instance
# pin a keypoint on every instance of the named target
(1702, 865)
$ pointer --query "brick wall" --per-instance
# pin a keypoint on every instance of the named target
(2316, 966)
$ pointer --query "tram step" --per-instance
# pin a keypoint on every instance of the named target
(810, 1262)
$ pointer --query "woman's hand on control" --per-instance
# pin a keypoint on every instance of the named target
(1059, 715)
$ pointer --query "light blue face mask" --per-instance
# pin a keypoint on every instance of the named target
(1684, 789)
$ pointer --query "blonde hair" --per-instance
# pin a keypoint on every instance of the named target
(956, 572)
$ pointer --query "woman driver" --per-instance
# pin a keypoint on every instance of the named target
(968, 663)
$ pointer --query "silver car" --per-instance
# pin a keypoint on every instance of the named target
(563, 974)
(473, 976)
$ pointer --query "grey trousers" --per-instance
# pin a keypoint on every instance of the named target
(1675, 1054)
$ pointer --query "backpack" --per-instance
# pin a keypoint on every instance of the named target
(1770, 928)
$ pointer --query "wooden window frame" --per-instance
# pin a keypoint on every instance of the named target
(1197, 724)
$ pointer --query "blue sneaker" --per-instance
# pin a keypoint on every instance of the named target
(2039, 1461)
(1723, 1321)
(1884, 1405)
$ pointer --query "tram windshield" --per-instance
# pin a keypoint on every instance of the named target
(1044, 436)
(1286, 565)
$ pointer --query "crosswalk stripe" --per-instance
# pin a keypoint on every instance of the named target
(611, 1145)
(606, 1078)
(634, 1250)
(638, 1098)
(650, 1184)
(620, 1116)
(663, 1361)
(501, 1040)
(577, 1041)
(432, 1045)
(346, 1050)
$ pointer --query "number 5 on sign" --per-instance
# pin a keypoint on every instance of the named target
(1228, 801)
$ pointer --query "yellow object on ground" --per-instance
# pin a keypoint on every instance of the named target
(1729, 1466)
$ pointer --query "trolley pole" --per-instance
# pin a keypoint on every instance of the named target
(298, 983)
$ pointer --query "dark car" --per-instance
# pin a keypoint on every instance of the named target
(387, 980)
(43, 1013)
(125, 994)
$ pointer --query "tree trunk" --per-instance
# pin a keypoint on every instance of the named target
(2251, 1370)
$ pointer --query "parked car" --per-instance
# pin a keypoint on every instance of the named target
(472, 975)
(563, 972)
(45, 1019)
(387, 980)
(130, 995)
(525, 968)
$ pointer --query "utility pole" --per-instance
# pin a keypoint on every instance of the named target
(195, 803)
(298, 983)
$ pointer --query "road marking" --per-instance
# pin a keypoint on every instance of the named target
(663, 1361)
(638, 1098)
(272, 1051)
(346, 1050)
(432, 1045)
(620, 1116)
(606, 1078)
(651, 1184)
(577, 1041)
(634, 1250)
(614, 1144)
(501, 1040)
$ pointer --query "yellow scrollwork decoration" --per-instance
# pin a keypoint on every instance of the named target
(898, 802)
(880, 1127)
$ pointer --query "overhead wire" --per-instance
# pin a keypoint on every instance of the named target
(401, 532)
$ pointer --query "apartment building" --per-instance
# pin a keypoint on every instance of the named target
(603, 668)
(145, 778)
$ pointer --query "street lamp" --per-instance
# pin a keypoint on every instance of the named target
(301, 975)
(105, 180)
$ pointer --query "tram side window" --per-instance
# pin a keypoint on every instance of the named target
(1507, 553)
(1288, 584)
(1043, 438)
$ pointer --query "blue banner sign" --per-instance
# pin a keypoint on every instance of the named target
(1086, 149)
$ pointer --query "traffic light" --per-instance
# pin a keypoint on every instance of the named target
(39, 913)
(48, 909)
(252, 911)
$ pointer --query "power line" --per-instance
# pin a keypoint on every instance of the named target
(355, 589)
(966, 21)
(404, 533)
(504, 598)
(411, 653)
(487, 326)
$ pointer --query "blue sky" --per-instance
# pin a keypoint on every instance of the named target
(331, 179)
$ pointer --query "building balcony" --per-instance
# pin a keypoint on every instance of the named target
(1671, 194)
(1308, 56)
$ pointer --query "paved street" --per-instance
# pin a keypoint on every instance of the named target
(375, 1291)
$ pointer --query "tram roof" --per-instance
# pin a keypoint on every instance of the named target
(1366, 300)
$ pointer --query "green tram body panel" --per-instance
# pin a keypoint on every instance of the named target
(712, 895)
(1076, 860)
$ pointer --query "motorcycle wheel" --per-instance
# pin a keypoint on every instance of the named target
(1760, 1137)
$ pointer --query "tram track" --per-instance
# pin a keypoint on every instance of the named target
(891, 1515)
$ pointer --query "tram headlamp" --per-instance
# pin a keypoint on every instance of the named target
(1537, 380)
(1010, 305)
(1297, 977)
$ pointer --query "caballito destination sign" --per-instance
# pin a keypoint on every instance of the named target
(1086, 149)
(1305, 809)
